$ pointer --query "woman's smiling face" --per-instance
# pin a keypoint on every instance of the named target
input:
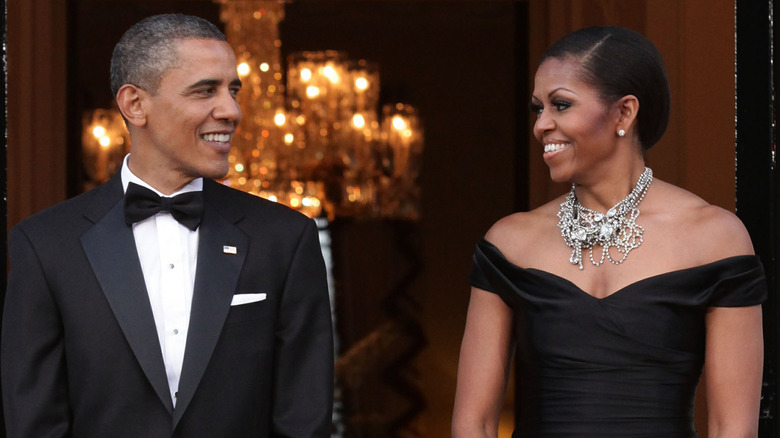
(575, 126)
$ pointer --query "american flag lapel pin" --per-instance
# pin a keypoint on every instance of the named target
(228, 249)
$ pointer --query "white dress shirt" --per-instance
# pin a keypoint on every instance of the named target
(169, 254)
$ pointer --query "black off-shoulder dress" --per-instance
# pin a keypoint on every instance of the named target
(623, 366)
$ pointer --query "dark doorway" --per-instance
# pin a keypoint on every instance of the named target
(757, 175)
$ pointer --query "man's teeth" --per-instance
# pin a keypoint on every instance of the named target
(221, 138)
(554, 147)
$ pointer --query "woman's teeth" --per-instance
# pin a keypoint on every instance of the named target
(554, 147)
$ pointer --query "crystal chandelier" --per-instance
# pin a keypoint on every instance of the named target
(317, 144)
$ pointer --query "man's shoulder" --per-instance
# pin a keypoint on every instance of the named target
(252, 207)
(63, 213)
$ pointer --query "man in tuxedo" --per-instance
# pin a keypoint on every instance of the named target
(162, 303)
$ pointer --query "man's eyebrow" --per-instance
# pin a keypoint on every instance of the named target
(213, 83)
(204, 83)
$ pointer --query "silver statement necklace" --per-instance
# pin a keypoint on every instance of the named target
(583, 228)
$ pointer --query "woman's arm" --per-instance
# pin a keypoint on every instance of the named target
(484, 366)
(733, 368)
(734, 355)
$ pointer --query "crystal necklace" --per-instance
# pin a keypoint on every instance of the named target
(583, 228)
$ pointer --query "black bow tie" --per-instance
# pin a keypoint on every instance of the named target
(142, 203)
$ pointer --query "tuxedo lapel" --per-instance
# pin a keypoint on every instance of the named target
(110, 248)
(222, 249)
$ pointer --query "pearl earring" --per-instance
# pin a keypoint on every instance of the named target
(621, 133)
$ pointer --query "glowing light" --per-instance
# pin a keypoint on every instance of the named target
(312, 91)
(272, 198)
(288, 138)
(105, 141)
(295, 202)
(279, 119)
(264, 66)
(361, 83)
(331, 74)
(406, 133)
(300, 119)
(99, 131)
(399, 124)
(305, 75)
(243, 69)
(239, 167)
(358, 121)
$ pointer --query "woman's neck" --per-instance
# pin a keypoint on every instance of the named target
(605, 189)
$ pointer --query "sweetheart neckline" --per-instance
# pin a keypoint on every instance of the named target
(621, 289)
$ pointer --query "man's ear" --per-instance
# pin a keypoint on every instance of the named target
(130, 101)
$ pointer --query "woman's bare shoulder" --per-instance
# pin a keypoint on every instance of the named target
(528, 229)
(712, 230)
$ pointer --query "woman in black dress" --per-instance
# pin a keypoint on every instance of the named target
(614, 314)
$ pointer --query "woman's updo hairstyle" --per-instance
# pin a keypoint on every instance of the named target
(618, 62)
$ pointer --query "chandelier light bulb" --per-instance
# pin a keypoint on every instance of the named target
(99, 131)
(305, 75)
(279, 119)
(264, 67)
(399, 124)
(243, 69)
(105, 141)
(358, 121)
(312, 91)
(331, 74)
(361, 83)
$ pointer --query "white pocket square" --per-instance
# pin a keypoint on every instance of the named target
(239, 299)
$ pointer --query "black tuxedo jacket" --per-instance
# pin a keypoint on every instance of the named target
(80, 354)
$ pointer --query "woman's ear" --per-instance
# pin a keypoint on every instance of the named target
(130, 99)
(628, 106)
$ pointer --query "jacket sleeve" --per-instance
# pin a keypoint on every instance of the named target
(303, 392)
(32, 357)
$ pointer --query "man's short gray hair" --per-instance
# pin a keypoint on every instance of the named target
(148, 49)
